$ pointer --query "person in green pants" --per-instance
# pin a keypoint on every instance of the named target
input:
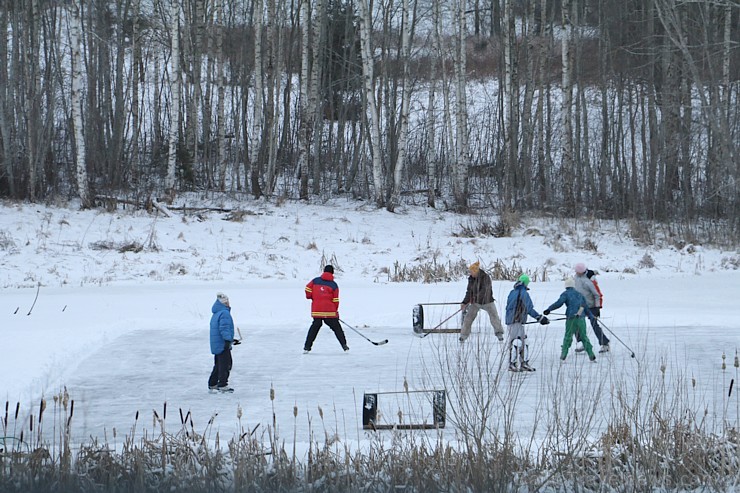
(576, 309)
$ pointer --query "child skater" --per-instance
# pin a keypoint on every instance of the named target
(576, 309)
(518, 307)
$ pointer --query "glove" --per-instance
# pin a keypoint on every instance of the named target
(546, 312)
(227, 345)
(543, 320)
(237, 342)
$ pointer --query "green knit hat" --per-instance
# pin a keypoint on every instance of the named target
(524, 279)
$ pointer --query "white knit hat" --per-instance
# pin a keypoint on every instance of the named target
(222, 298)
(570, 283)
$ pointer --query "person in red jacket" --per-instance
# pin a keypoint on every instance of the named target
(324, 295)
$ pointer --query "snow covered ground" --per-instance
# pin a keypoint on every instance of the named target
(128, 331)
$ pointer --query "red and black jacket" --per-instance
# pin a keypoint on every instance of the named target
(324, 295)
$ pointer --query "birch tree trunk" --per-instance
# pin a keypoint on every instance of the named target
(32, 83)
(727, 46)
(304, 112)
(258, 106)
(508, 110)
(115, 151)
(157, 128)
(275, 64)
(372, 107)
(309, 82)
(654, 130)
(313, 95)
(525, 120)
(728, 153)
(601, 174)
(206, 141)
(542, 161)
(169, 182)
(431, 123)
(405, 105)
(6, 113)
(448, 131)
(460, 184)
(76, 97)
(220, 91)
(192, 86)
(136, 76)
(567, 110)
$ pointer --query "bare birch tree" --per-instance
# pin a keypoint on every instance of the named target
(221, 95)
(543, 91)
(447, 84)
(368, 74)
(32, 75)
(304, 112)
(136, 77)
(398, 171)
(431, 122)
(729, 152)
(460, 183)
(276, 20)
(313, 95)
(75, 43)
(509, 106)
(567, 106)
(6, 111)
(174, 107)
(258, 103)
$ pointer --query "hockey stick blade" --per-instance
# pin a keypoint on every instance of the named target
(363, 335)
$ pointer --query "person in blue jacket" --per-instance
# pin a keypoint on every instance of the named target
(576, 309)
(222, 336)
(518, 306)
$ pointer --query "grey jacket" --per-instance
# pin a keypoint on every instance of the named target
(587, 289)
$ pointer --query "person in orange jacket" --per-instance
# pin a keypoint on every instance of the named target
(323, 292)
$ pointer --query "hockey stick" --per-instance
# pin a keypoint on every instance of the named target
(441, 323)
(238, 341)
(439, 304)
(616, 337)
(38, 287)
(379, 343)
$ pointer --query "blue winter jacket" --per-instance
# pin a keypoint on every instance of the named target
(573, 302)
(518, 305)
(222, 327)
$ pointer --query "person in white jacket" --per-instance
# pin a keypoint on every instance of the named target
(586, 287)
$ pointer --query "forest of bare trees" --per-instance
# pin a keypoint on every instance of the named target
(612, 108)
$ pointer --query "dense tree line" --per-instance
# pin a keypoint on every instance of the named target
(619, 108)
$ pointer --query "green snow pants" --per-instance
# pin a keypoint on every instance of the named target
(573, 326)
